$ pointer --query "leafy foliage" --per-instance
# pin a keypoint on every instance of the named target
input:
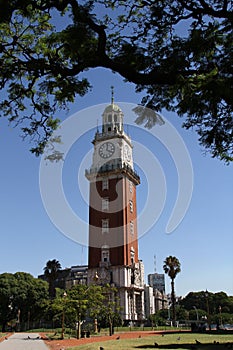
(110, 315)
(20, 295)
(172, 268)
(81, 303)
(85, 299)
(178, 53)
(51, 271)
(198, 299)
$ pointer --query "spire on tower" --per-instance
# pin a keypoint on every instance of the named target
(112, 94)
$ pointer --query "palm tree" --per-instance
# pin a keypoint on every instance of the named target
(172, 268)
(51, 271)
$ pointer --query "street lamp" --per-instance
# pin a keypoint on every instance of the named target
(18, 320)
(151, 315)
(96, 278)
(169, 314)
(10, 309)
(220, 314)
(63, 316)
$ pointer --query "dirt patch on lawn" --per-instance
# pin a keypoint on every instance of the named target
(66, 343)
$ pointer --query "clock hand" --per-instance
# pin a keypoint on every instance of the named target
(109, 148)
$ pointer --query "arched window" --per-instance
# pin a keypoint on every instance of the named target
(132, 255)
(131, 228)
(105, 255)
(105, 225)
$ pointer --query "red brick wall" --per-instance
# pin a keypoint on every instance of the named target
(118, 238)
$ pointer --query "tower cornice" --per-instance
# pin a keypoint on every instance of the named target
(114, 169)
(101, 136)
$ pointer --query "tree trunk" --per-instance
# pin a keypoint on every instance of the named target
(173, 303)
(4, 326)
(110, 326)
(78, 329)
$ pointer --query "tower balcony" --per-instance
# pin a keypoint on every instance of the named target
(102, 136)
(113, 168)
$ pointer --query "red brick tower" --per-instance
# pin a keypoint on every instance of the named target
(113, 236)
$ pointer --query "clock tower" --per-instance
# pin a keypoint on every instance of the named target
(113, 236)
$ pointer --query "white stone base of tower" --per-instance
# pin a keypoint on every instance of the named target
(129, 283)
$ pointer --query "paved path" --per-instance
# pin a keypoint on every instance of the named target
(23, 341)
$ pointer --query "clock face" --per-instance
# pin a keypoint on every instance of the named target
(127, 153)
(106, 150)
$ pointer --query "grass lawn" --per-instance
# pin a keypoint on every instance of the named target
(169, 341)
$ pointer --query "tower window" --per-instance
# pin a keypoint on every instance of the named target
(105, 255)
(115, 118)
(131, 206)
(105, 203)
(130, 186)
(105, 184)
(105, 225)
(109, 118)
(131, 227)
(132, 255)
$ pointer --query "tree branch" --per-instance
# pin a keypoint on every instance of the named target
(206, 9)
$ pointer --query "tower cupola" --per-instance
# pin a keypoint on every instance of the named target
(112, 118)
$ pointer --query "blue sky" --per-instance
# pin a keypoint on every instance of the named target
(203, 241)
